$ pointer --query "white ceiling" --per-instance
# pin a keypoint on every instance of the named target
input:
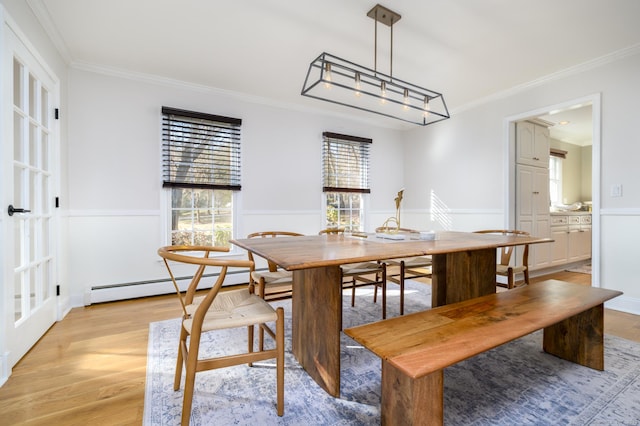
(466, 49)
(573, 125)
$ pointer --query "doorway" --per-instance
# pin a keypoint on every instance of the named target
(574, 109)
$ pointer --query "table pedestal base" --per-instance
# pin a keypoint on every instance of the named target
(316, 323)
(462, 275)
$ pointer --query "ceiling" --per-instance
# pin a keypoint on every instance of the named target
(468, 50)
(573, 125)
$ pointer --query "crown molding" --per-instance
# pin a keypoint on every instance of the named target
(567, 72)
(44, 18)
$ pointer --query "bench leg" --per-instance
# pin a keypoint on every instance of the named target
(407, 401)
(578, 339)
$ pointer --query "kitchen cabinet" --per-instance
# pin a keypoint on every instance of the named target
(532, 144)
(572, 235)
(579, 238)
(532, 188)
(532, 211)
(560, 235)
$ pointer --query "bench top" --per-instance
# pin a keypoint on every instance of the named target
(421, 343)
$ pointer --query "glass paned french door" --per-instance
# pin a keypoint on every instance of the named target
(30, 261)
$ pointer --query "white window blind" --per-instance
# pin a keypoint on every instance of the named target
(200, 150)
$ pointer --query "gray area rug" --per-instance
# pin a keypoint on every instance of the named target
(515, 384)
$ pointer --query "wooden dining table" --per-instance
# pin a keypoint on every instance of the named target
(464, 267)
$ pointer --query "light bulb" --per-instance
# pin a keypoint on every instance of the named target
(357, 84)
(426, 108)
(406, 100)
(383, 90)
(327, 75)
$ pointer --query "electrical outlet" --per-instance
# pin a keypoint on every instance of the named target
(616, 190)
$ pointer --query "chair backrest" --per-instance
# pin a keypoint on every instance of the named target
(271, 234)
(506, 252)
(331, 231)
(199, 255)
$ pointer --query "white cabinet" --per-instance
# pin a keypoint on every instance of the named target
(532, 189)
(572, 235)
(560, 235)
(532, 144)
(579, 238)
(532, 211)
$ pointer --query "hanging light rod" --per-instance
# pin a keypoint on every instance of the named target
(342, 82)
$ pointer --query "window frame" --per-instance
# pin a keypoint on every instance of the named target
(354, 184)
(555, 179)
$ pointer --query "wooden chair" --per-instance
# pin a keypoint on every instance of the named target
(220, 310)
(276, 281)
(408, 267)
(364, 274)
(331, 231)
(360, 274)
(503, 268)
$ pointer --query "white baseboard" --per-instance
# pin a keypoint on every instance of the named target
(4, 368)
(624, 303)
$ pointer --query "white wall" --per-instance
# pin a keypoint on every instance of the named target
(115, 202)
(463, 161)
(576, 175)
(453, 172)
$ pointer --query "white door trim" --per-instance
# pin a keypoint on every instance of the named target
(509, 163)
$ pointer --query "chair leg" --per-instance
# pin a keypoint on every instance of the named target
(402, 273)
(280, 361)
(526, 276)
(260, 339)
(353, 292)
(190, 380)
(182, 347)
(250, 341)
(384, 291)
(510, 279)
(262, 289)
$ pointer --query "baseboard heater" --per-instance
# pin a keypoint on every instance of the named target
(156, 287)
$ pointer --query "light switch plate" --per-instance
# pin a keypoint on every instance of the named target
(616, 190)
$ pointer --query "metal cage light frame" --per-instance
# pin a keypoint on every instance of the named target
(336, 80)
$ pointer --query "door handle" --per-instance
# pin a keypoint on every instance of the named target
(11, 210)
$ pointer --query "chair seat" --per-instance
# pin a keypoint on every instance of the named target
(277, 277)
(234, 308)
(504, 269)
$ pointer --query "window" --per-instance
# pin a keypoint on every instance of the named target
(345, 179)
(555, 176)
(201, 170)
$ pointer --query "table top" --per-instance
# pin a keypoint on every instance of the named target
(293, 253)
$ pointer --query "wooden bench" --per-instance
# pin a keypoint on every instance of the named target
(416, 348)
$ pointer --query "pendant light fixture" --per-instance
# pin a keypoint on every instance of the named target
(342, 82)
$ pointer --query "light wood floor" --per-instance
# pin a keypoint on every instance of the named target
(90, 367)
